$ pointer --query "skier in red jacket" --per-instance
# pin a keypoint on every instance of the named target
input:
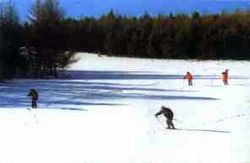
(225, 77)
(189, 77)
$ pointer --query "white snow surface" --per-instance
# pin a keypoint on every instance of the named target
(103, 112)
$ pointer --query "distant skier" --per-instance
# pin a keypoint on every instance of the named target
(168, 113)
(189, 77)
(34, 97)
(225, 77)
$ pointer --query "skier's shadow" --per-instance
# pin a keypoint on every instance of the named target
(203, 130)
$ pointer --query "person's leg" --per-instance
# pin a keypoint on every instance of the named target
(173, 127)
(168, 123)
(34, 103)
(190, 83)
(225, 82)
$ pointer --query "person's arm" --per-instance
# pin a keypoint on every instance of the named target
(158, 113)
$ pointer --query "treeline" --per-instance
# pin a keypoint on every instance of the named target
(218, 36)
(46, 42)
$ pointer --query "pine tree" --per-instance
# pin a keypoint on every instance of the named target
(10, 40)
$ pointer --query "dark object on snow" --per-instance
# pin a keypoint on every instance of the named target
(34, 97)
(168, 113)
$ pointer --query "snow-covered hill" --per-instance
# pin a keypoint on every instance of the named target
(104, 112)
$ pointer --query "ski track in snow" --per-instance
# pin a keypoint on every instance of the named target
(97, 114)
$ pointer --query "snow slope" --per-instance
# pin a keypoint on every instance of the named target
(104, 112)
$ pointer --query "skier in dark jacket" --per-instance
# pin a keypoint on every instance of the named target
(34, 97)
(168, 113)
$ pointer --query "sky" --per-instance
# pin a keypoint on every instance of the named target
(96, 8)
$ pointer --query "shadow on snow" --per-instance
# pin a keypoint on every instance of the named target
(203, 130)
(81, 92)
(128, 75)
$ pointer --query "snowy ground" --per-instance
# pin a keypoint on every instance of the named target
(105, 113)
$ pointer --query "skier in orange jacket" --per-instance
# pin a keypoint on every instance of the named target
(225, 77)
(189, 77)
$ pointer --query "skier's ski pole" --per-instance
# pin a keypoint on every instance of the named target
(160, 122)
